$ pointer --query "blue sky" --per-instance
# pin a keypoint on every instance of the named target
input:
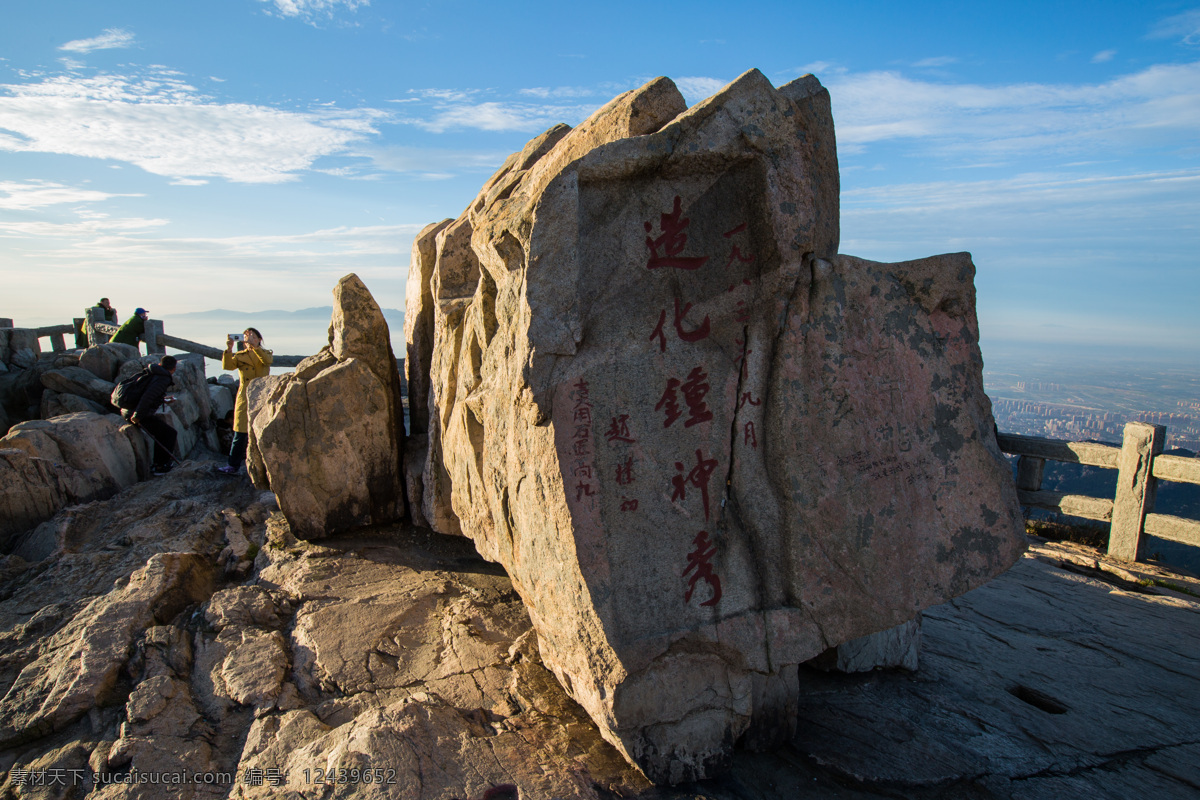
(245, 154)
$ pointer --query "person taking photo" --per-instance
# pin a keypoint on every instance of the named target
(251, 361)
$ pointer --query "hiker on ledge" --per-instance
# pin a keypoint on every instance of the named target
(251, 362)
(131, 332)
(110, 313)
(143, 414)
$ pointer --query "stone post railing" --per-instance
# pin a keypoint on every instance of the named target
(1140, 464)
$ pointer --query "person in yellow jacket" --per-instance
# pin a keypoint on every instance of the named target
(251, 362)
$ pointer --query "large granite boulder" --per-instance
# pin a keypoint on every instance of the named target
(705, 447)
(104, 360)
(78, 381)
(55, 405)
(328, 439)
(23, 349)
(73, 458)
(21, 391)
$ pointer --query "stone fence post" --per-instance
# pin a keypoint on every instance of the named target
(1029, 473)
(154, 330)
(95, 337)
(1136, 488)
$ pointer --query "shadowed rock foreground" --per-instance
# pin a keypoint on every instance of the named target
(179, 628)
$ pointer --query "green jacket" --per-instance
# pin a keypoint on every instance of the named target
(130, 331)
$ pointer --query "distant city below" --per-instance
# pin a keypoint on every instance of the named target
(1085, 397)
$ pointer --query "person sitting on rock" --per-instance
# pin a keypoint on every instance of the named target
(143, 414)
(133, 329)
(251, 362)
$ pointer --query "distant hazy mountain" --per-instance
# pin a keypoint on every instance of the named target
(319, 313)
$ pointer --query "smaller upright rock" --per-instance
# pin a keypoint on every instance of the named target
(328, 438)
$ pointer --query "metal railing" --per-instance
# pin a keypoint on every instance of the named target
(1139, 463)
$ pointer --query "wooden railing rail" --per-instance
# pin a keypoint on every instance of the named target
(1140, 464)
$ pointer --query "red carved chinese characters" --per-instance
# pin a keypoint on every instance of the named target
(670, 402)
(699, 561)
(736, 254)
(665, 250)
(698, 477)
(619, 430)
(694, 389)
(750, 437)
(701, 331)
(625, 472)
(628, 505)
(745, 362)
(581, 440)
(696, 335)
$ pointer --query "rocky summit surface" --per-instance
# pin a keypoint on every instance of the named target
(179, 629)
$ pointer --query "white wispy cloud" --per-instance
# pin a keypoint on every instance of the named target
(312, 11)
(1185, 27)
(1103, 56)
(165, 126)
(698, 88)
(443, 95)
(935, 61)
(499, 116)
(112, 38)
(89, 228)
(546, 92)
(112, 239)
(1160, 103)
(22, 196)
(821, 69)
(433, 163)
(132, 259)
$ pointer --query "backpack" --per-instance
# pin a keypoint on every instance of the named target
(129, 391)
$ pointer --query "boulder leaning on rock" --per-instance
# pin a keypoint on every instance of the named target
(328, 439)
(705, 446)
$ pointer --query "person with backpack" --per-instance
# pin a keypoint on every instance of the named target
(253, 361)
(139, 398)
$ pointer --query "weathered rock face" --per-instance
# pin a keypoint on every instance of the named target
(105, 360)
(82, 662)
(74, 458)
(23, 347)
(705, 447)
(328, 438)
(55, 404)
(80, 382)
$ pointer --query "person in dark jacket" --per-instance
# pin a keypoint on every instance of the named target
(110, 313)
(131, 332)
(144, 417)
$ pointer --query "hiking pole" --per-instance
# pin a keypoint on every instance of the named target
(169, 450)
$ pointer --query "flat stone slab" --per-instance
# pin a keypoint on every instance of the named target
(1057, 679)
